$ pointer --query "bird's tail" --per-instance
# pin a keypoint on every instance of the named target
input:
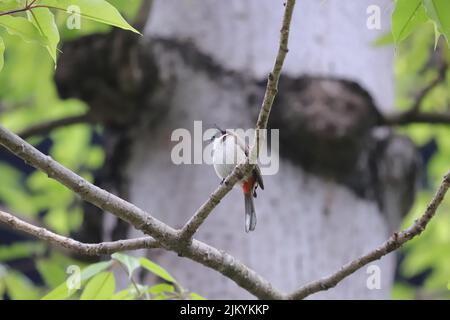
(250, 214)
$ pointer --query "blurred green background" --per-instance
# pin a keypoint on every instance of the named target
(28, 96)
(426, 262)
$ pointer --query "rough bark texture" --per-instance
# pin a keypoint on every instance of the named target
(343, 183)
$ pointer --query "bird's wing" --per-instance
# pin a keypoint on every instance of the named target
(257, 171)
(258, 177)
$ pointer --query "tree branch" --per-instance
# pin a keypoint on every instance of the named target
(199, 251)
(166, 236)
(28, 7)
(140, 21)
(47, 127)
(395, 242)
(175, 240)
(274, 76)
(442, 70)
(169, 238)
(414, 114)
(73, 245)
(87, 191)
(194, 223)
(242, 170)
(405, 118)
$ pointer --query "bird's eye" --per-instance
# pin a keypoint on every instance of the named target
(212, 138)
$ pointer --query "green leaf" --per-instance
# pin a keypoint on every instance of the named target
(161, 288)
(20, 250)
(23, 28)
(97, 10)
(128, 8)
(19, 287)
(406, 16)
(7, 5)
(2, 288)
(62, 291)
(161, 291)
(131, 263)
(94, 269)
(439, 12)
(402, 291)
(126, 294)
(11, 190)
(137, 289)
(384, 40)
(101, 287)
(437, 35)
(44, 20)
(156, 269)
(2, 51)
(51, 272)
(196, 296)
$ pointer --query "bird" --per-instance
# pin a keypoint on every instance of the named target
(230, 150)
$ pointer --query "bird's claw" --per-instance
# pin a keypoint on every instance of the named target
(224, 182)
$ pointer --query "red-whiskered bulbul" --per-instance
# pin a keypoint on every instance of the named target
(230, 150)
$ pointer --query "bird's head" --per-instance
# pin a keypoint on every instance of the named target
(220, 132)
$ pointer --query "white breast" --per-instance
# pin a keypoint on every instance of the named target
(226, 155)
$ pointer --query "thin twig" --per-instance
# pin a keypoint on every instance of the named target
(442, 71)
(28, 6)
(141, 220)
(194, 223)
(395, 242)
(88, 192)
(242, 170)
(200, 252)
(47, 127)
(10, 12)
(166, 236)
(274, 76)
(414, 114)
(73, 245)
(406, 118)
(130, 276)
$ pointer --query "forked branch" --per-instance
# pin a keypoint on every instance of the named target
(180, 241)
(73, 245)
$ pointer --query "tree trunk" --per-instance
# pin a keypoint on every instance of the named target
(344, 180)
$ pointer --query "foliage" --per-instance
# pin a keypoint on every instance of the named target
(427, 258)
(32, 40)
(39, 24)
(29, 48)
(90, 282)
(29, 96)
(410, 14)
(98, 282)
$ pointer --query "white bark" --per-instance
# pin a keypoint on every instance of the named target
(307, 227)
(328, 37)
